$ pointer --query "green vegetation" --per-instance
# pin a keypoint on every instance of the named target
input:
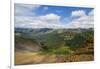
(68, 45)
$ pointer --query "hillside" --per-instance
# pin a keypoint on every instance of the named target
(26, 44)
(60, 45)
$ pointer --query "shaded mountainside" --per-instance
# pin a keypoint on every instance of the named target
(26, 44)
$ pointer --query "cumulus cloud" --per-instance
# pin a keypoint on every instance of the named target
(52, 18)
(23, 9)
(78, 13)
(46, 21)
(85, 21)
(26, 18)
(53, 21)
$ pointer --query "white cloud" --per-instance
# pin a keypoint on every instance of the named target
(52, 18)
(25, 18)
(82, 22)
(24, 9)
(78, 13)
(46, 21)
(53, 21)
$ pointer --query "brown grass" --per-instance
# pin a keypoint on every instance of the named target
(22, 58)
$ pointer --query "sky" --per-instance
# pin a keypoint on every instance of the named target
(50, 16)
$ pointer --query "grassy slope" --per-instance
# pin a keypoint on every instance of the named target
(58, 49)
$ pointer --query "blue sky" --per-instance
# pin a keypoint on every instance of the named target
(49, 16)
(59, 10)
